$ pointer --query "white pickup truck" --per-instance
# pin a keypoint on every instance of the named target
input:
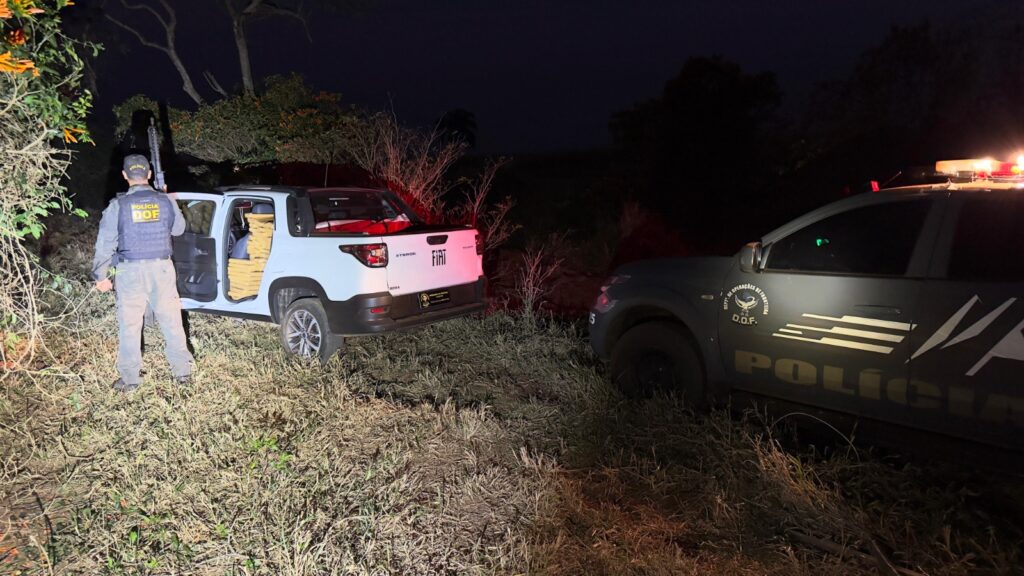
(324, 264)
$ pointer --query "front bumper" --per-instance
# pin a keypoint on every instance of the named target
(355, 317)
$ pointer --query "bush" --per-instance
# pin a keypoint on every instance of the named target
(288, 122)
(41, 105)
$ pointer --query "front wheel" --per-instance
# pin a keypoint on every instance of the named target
(658, 356)
(306, 333)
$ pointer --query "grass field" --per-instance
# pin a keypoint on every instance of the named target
(478, 446)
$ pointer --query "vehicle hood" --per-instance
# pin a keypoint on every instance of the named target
(681, 274)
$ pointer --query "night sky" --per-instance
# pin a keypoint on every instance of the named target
(539, 76)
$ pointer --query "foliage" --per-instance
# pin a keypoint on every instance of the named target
(541, 264)
(927, 92)
(288, 122)
(312, 126)
(415, 164)
(41, 104)
(123, 112)
(460, 125)
(490, 219)
(411, 162)
(703, 147)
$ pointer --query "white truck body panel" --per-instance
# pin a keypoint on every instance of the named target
(415, 264)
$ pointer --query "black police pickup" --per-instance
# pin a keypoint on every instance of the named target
(897, 306)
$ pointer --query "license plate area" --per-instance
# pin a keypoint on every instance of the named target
(433, 298)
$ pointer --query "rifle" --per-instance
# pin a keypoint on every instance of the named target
(154, 154)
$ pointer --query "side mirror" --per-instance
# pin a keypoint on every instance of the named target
(750, 257)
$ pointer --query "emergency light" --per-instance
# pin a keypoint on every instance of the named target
(981, 168)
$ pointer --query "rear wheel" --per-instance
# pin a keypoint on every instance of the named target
(305, 332)
(658, 356)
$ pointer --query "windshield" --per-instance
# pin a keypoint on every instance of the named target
(358, 212)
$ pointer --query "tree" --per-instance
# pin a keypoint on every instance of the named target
(168, 21)
(926, 93)
(288, 122)
(703, 148)
(242, 12)
(459, 125)
(42, 110)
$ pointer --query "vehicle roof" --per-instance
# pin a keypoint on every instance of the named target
(950, 185)
(887, 194)
(294, 190)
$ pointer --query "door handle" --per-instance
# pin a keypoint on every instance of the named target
(875, 311)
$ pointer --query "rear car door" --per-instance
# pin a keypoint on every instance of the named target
(827, 320)
(968, 352)
(195, 251)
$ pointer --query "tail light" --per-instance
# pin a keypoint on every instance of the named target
(479, 244)
(371, 255)
(605, 302)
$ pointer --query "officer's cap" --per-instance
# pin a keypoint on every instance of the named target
(136, 166)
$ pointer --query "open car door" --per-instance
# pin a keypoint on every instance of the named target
(195, 251)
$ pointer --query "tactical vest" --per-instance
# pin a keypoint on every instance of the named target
(144, 221)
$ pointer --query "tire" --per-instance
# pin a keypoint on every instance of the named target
(658, 356)
(305, 331)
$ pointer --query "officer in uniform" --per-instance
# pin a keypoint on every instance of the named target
(135, 240)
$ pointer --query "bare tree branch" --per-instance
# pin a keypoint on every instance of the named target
(168, 22)
(260, 9)
(142, 40)
(149, 9)
(414, 162)
(214, 84)
(252, 7)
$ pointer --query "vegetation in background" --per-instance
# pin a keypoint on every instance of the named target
(241, 14)
(705, 150)
(42, 110)
(290, 122)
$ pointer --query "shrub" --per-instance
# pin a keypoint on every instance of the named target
(42, 109)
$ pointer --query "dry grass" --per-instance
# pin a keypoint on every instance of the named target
(478, 446)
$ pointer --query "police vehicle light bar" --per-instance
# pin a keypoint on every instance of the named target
(981, 168)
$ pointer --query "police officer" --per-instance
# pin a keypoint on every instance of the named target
(135, 240)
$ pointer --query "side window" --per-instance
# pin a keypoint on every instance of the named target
(987, 241)
(875, 240)
(198, 215)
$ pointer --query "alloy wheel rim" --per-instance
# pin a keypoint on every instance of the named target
(304, 334)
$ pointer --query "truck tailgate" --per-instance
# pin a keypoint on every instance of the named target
(428, 261)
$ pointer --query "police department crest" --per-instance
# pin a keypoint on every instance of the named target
(746, 302)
